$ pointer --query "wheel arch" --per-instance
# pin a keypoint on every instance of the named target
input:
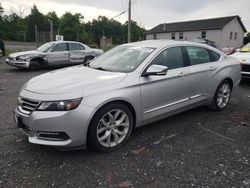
(121, 101)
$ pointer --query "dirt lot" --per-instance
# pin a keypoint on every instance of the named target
(198, 148)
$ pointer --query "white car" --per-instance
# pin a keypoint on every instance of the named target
(129, 86)
(244, 57)
(54, 54)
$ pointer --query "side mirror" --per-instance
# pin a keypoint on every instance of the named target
(156, 70)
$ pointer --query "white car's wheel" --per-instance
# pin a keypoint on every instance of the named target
(222, 96)
(110, 128)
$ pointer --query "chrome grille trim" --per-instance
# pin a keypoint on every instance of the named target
(28, 105)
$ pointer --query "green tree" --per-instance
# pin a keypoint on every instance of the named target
(14, 27)
(38, 19)
(70, 26)
(137, 32)
(55, 19)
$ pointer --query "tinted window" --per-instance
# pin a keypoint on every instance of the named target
(171, 58)
(214, 56)
(198, 55)
(75, 46)
(60, 47)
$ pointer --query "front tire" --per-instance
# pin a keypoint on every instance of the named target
(34, 65)
(110, 127)
(222, 96)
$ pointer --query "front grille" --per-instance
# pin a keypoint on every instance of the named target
(245, 68)
(28, 105)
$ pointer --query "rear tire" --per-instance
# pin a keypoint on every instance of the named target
(34, 65)
(221, 96)
(110, 127)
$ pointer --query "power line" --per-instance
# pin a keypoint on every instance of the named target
(119, 14)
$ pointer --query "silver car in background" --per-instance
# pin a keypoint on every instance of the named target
(129, 86)
(54, 54)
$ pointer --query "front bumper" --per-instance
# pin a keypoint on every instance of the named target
(17, 63)
(72, 124)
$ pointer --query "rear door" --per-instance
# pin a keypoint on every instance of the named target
(77, 53)
(59, 55)
(162, 94)
(203, 66)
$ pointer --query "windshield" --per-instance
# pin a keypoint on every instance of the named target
(45, 47)
(247, 45)
(121, 59)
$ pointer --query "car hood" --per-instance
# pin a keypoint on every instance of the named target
(243, 57)
(32, 52)
(72, 79)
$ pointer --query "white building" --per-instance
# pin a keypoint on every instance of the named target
(224, 31)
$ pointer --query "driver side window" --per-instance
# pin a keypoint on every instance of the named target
(60, 47)
(171, 58)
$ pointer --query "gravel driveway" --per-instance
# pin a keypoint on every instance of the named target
(198, 148)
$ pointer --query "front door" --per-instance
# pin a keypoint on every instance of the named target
(59, 55)
(164, 93)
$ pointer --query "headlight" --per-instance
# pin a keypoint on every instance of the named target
(60, 105)
(23, 57)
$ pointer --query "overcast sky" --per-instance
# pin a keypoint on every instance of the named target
(147, 13)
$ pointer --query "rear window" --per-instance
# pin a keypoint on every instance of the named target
(214, 56)
(198, 55)
(75, 46)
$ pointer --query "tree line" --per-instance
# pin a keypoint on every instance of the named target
(14, 27)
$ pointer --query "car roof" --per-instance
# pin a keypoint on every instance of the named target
(62, 41)
(163, 43)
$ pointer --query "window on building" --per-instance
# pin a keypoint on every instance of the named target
(173, 36)
(203, 34)
(155, 36)
(181, 36)
(231, 35)
(235, 35)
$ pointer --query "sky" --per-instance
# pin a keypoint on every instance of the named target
(147, 13)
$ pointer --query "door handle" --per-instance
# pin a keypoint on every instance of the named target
(181, 74)
(212, 68)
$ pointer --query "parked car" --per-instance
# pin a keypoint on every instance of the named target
(129, 86)
(1, 53)
(228, 50)
(243, 55)
(54, 54)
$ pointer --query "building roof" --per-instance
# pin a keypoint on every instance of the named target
(195, 25)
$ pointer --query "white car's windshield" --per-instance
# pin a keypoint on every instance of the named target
(247, 45)
(122, 59)
(45, 47)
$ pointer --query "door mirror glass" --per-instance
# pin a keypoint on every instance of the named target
(157, 70)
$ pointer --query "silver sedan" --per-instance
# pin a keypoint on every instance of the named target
(53, 54)
(129, 86)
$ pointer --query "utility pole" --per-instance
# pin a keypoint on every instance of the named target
(24, 37)
(36, 35)
(51, 30)
(129, 21)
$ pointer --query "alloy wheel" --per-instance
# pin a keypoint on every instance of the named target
(113, 128)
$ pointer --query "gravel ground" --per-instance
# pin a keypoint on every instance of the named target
(198, 148)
